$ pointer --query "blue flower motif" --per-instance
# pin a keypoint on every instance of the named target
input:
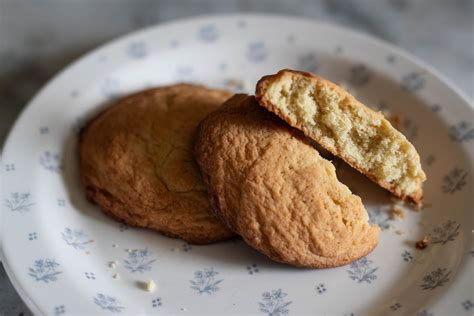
(174, 44)
(156, 302)
(185, 73)
(360, 75)
(454, 181)
(59, 310)
(467, 305)
(435, 279)
(251, 269)
(391, 59)
(76, 238)
(19, 202)
(308, 62)
(90, 275)
(108, 303)
(424, 313)
(208, 33)
(256, 52)
(395, 306)
(50, 161)
(448, 231)
(186, 247)
(379, 217)
(413, 82)
(321, 288)
(123, 227)
(361, 271)
(74, 94)
(9, 167)
(435, 108)
(110, 87)
(138, 260)
(241, 23)
(137, 50)
(461, 132)
(32, 236)
(407, 256)
(273, 303)
(430, 160)
(44, 270)
(205, 281)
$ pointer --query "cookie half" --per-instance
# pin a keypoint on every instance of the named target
(274, 189)
(136, 162)
(347, 128)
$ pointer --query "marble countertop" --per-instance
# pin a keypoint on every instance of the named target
(39, 38)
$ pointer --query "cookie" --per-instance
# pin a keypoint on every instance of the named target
(273, 188)
(347, 128)
(136, 162)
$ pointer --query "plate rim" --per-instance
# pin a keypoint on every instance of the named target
(427, 68)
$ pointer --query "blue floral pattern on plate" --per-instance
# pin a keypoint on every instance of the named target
(205, 281)
(137, 50)
(208, 34)
(256, 52)
(461, 132)
(108, 303)
(50, 161)
(361, 271)
(274, 303)
(413, 82)
(435, 279)
(444, 233)
(139, 260)
(45, 204)
(76, 238)
(19, 202)
(454, 181)
(44, 270)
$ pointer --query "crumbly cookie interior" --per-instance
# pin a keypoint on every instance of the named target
(358, 134)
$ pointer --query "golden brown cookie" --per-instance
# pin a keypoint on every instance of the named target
(274, 189)
(136, 162)
(347, 128)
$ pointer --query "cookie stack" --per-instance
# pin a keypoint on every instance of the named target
(175, 160)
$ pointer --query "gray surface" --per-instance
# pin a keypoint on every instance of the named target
(38, 38)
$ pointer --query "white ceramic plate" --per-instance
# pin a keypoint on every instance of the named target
(57, 246)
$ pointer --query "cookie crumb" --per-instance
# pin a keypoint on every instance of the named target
(88, 252)
(422, 243)
(113, 264)
(116, 276)
(397, 213)
(150, 286)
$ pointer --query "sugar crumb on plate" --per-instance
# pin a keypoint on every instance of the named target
(422, 243)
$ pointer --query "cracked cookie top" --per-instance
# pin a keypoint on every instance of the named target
(136, 162)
